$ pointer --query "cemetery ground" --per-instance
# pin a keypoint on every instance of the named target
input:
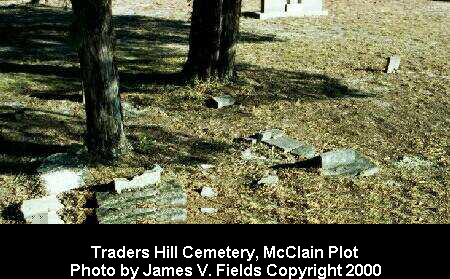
(319, 79)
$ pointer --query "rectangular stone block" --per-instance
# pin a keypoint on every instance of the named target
(42, 210)
(132, 215)
(269, 6)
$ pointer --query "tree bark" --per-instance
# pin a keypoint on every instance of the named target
(204, 41)
(231, 15)
(213, 38)
(105, 137)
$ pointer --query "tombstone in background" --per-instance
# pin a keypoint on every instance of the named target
(290, 8)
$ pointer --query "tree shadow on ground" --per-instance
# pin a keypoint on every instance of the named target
(149, 51)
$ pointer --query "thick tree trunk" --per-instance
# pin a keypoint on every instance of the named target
(204, 44)
(213, 38)
(105, 136)
(231, 14)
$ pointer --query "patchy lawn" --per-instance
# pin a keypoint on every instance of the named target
(319, 79)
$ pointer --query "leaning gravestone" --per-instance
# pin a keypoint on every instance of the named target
(290, 8)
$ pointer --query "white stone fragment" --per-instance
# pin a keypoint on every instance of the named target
(42, 210)
(223, 101)
(56, 182)
(269, 180)
(61, 172)
(208, 192)
(208, 210)
(206, 166)
(393, 64)
(148, 178)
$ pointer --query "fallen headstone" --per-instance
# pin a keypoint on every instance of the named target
(393, 64)
(164, 202)
(346, 162)
(132, 215)
(208, 192)
(221, 101)
(42, 210)
(61, 172)
(149, 177)
(157, 196)
(277, 138)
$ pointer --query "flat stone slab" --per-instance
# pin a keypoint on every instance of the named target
(277, 138)
(132, 215)
(221, 101)
(346, 162)
(61, 172)
(148, 178)
(393, 64)
(155, 196)
(42, 210)
(306, 151)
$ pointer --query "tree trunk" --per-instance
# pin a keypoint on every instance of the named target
(231, 14)
(105, 137)
(213, 38)
(204, 42)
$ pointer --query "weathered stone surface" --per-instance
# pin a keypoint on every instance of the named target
(208, 210)
(208, 192)
(42, 210)
(222, 101)
(306, 151)
(269, 180)
(346, 162)
(148, 178)
(413, 162)
(155, 196)
(132, 215)
(393, 64)
(61, 172)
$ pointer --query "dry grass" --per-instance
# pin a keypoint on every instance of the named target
(318, 79)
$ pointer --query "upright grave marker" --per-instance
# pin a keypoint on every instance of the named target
(290, 8)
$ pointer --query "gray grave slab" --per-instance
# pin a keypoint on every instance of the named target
(131, 215)
(223, 101)
(393, 64)
(284, 142)
(306, 151)
(347, 162)
(148, 178)
(155, 197)
(61, 172)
